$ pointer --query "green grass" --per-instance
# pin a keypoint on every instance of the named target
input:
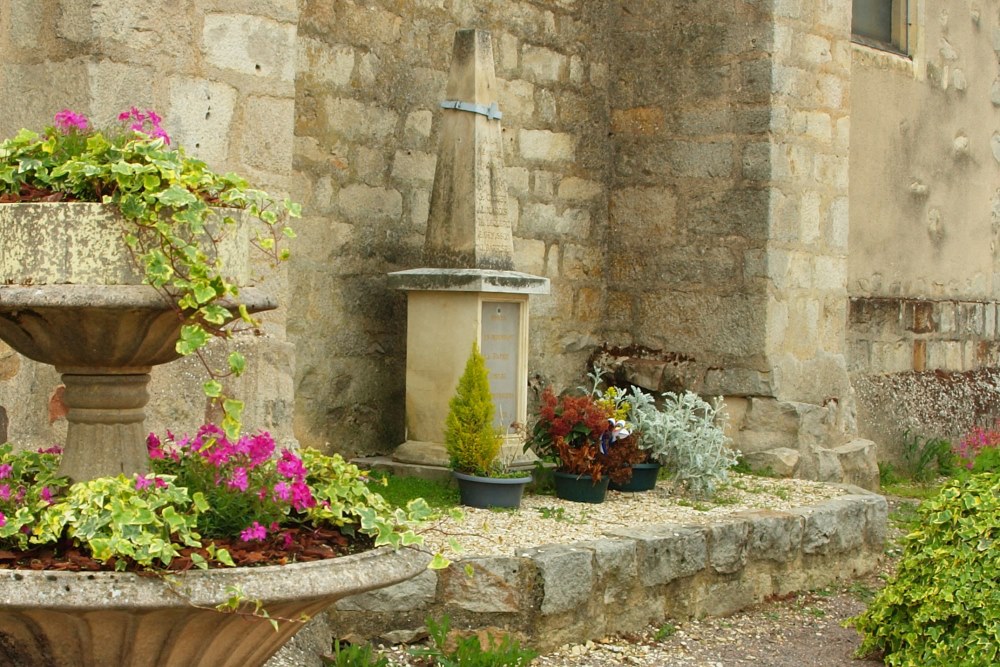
(400, 490)
(910, 489)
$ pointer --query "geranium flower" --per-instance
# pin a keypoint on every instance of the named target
(5, 470)
(255, 533)
(67, 121)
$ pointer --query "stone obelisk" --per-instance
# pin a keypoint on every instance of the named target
(469, 291)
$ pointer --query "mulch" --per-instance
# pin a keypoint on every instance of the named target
(303, 545)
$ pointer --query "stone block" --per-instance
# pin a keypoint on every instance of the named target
(357, 121)
(774, 536)
(494, 585)
(250, 45)
(517, 100)
(780, 461)
(414, 167)
(859, 464)
(201, 113)
(616, 568)
(529, 256)
(545, 145)
(701, 160)
(543, 65)
(413, 594)
(567, 576)
(268, 132)
(326, 64)
(363, 203)
(728, 545)
(640, 121)
(545, 219)
(418, 125)
(833, 527)
(579, 189)
(667, 552)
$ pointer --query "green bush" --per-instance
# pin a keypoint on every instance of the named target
(470, 437)
(943, 605)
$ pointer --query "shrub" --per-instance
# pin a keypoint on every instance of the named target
(469, 652)
(470, 437)
(943, 605)
(923, 457)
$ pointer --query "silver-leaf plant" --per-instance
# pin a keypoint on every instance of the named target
(686, 435)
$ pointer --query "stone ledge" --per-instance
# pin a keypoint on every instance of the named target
(556, 594)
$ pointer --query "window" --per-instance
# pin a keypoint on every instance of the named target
(882, 24)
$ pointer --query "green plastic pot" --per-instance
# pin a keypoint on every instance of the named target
(487, 492)
(580, 488)
(644, 477)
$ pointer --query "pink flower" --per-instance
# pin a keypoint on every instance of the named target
(142, 483)
(255, 532)
(302, 496)
(282, 491)
(290, 466)
(286, 541)
(4, 492)
(238, 479)
(3, 520)
(46, 494)
(68, 121)
(54, 449)
(5, 470)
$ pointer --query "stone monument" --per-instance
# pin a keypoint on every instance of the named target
(469, 292)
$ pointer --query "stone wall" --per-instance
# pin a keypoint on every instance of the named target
(370, 78)
(556, 594)
(924, 212)
(687, 194)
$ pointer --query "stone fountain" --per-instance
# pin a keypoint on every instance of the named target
(72, 296)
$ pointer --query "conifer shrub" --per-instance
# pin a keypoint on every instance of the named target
(942, 607)
(470, 437)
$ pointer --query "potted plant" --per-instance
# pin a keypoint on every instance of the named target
(685, 434)
(577, 432)
(473, 443)
(157, 222)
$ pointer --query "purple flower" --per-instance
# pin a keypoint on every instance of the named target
(68, 121)
(4, 492)
(54, 449)
(5, 470)
(142, 483)
(46, 494)
(255, 532)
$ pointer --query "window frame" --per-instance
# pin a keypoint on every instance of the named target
(900, 30)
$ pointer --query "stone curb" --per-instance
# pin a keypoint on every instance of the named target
(555, 594)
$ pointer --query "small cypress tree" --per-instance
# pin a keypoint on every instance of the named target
(470, 438)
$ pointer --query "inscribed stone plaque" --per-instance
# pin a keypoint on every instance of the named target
(501, 334)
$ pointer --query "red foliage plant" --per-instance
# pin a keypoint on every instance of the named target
(570, 428)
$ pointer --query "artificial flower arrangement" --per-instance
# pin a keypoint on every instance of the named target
(209, 502)
(585, 434)
(176, 212)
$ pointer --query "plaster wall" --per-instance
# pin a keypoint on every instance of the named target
(924, 214)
